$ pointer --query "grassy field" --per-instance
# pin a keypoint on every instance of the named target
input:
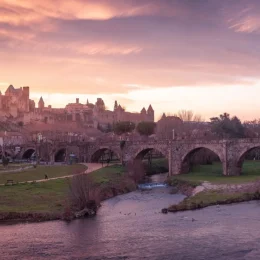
(213, 174)
(50, 196)
(107, 174)
(40, 171)
(34, 197)
(210, 198)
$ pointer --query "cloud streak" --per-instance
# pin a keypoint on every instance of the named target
(115, 47)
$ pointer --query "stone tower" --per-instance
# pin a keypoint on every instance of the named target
(163, 116)
(26, 98)
(150, 113)
(41, 104)
(115, 106)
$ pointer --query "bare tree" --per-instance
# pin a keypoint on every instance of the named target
(188, 115)
(84, 193)
(252, 128)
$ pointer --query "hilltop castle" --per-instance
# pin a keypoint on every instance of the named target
(16, 104)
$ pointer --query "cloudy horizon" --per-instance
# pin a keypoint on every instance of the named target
(181, 54)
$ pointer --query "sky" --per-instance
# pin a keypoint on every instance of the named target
(199, 55)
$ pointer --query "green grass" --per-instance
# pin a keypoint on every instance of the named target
(50, 196)
(40, 171)
(107, 174)
(209, 198)
(34, 197)
(213, 174)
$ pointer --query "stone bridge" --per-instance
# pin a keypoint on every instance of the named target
(231, 152)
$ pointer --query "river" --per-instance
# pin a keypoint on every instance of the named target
(131, 226)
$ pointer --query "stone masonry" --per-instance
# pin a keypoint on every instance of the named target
(231, 152)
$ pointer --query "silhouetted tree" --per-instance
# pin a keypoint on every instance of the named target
(146, 128)
(224, 126)
(123, 127)
(188, 115)
(252, 128)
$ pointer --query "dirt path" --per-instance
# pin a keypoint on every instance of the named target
(91, 168)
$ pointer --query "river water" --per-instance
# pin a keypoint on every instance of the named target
(131, 226)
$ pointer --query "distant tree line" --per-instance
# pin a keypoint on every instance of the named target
(188, 125)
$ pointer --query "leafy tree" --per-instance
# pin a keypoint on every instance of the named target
(224, 126)
(146, 128)
(123, 127)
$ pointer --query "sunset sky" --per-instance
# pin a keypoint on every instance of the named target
(201, 55)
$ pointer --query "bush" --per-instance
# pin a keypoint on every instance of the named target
(123, 127)
(83, 192)
(146, 128)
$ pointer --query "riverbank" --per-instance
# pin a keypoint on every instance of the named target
(205, 188)
(43, 201)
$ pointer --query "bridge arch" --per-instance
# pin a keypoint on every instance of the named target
(141, 152)
(242, 156)
(27, 154)
(210, 153)
(152, 160)
(109, 153)
(60, 155)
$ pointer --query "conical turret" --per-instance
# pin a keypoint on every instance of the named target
(41, 103)
(115, 106)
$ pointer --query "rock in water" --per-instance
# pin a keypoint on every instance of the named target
(89, 210)
(164, 211)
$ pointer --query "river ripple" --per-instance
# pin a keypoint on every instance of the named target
(131, 226)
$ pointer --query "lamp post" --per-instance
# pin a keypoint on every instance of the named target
(2, 144)
(173, 134)
(38, 139)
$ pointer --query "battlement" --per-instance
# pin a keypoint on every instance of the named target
(16, 102)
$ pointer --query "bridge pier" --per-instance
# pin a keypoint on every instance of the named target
(175, 168)
(231, 167)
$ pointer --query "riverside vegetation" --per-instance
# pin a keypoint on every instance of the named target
(224, 189)
(61, 198)
(81, 195)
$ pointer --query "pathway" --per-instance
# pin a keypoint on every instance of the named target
(91, 168)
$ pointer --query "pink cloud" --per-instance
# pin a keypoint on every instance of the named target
(26, 11)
